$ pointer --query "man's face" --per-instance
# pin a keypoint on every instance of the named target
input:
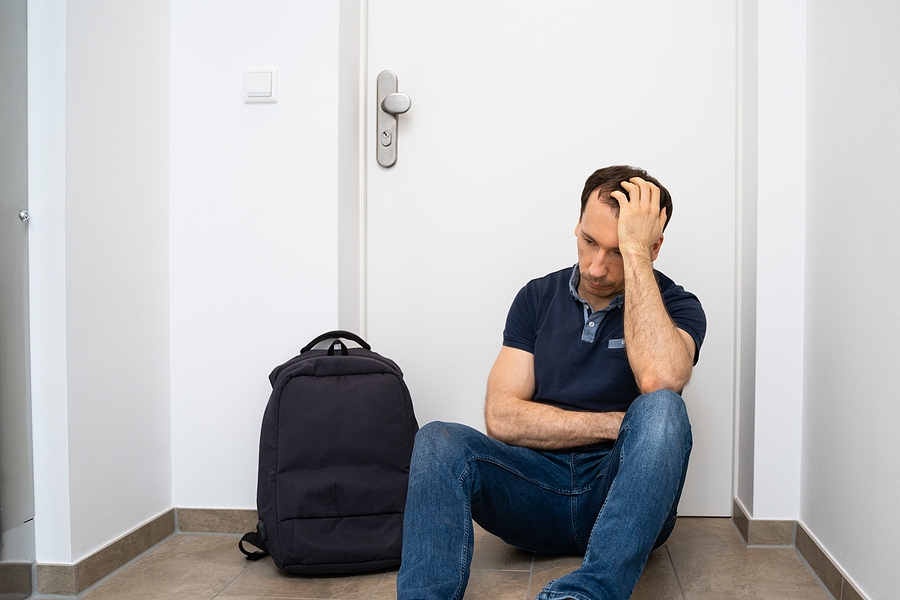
(599, 259)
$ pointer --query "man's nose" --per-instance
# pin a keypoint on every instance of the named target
(598, 266)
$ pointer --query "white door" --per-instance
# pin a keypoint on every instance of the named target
(16, 483)
(514, 104)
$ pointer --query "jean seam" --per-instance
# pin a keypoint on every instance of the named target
(517, 473)
(464, 562)
(622, 433)
(573, 504)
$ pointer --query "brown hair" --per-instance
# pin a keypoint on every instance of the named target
(609, 179)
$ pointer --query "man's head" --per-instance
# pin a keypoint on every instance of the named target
(600, 261)
(609, 179)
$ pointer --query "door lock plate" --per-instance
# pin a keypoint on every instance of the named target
(390, 104)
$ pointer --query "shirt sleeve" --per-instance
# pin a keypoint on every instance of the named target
(686, 312)
(520, 331)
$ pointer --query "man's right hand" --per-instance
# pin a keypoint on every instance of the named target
(641, 220)
(512, 417)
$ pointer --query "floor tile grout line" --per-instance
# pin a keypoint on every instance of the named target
(233, 579)
(377, 586)
(675, 572)
(530, 579)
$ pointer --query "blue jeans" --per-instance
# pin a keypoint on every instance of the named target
(614, 506)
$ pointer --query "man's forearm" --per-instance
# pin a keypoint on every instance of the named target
(544, 427)
(659, 354)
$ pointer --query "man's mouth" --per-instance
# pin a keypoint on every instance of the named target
(597, 283)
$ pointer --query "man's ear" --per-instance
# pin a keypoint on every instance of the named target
(654, 249)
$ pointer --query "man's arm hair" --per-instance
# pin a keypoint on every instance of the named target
(661, 355)
(512, 416)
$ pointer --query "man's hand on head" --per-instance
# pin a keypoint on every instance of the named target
(641, 220)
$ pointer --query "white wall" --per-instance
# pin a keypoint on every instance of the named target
(746, 236)
(47, 277)
(98, 90)
(351, 161)
(772, 253)
(254, 238)
(117, 121)
(244, 207)
(851, 426)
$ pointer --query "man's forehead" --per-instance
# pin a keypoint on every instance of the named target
(600, 222)
(602, 203)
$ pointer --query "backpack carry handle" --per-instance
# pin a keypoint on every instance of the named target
(338, 333)
(336, 343)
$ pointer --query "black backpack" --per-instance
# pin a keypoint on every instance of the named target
(334, 451)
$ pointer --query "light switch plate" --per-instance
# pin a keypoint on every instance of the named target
(260, 84)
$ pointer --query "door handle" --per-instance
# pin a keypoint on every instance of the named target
(390, 104)
(396, 103)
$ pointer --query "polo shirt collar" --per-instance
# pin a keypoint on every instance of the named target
(592, 319)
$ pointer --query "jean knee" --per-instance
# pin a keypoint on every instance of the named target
(660, 413)
(438, 441)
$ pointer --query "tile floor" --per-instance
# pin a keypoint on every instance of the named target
(703, 559)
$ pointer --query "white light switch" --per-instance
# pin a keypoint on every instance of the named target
(260, 84)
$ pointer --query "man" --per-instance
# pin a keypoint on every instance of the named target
(588, 438)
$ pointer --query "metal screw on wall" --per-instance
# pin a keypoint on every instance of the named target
(23, 215)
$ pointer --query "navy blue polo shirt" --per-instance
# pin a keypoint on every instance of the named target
(579, 355)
